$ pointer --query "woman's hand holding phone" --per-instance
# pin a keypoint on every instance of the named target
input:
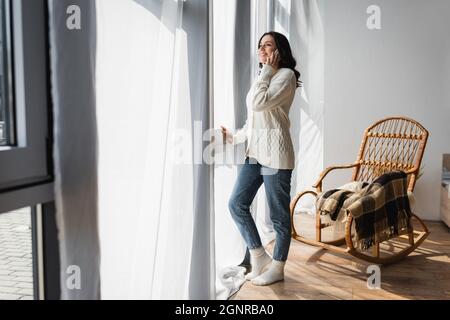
(274, 59)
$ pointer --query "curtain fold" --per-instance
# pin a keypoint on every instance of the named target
(230, 87)
(72, 65)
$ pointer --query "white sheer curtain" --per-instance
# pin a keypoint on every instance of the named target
(236, 24)
(148, 183)
(230, 248)
(237, 27)
(130, 95)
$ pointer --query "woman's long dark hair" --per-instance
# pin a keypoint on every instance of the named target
(285, 51)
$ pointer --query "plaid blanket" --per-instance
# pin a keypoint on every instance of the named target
(380, 210)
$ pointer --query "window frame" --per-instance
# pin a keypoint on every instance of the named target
(8, 64)
(33, 139)
(28, 162)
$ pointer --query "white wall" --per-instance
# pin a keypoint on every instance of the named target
(402, 69)
(447, 83)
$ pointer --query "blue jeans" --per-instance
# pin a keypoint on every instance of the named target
(277, 183)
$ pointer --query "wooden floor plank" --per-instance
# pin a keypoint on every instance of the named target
(316, 274)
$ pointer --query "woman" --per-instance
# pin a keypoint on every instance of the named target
(269, 156)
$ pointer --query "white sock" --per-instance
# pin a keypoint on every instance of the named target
(273, 274)
(259, 259)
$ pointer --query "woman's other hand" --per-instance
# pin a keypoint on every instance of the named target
(227, 135)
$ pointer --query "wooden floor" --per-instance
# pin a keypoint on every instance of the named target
(313, 273)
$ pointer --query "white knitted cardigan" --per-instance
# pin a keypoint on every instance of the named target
(267, 127)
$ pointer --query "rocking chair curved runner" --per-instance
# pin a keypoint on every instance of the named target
(395, 143)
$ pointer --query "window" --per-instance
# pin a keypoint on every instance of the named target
(25, 132)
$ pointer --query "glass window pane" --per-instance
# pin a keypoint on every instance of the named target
(6, 108)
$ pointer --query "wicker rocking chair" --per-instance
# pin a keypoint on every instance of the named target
(395, 143)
